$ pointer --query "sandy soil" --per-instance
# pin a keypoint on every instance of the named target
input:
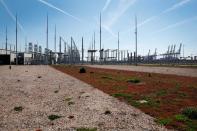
(22, 87)
(163, 70)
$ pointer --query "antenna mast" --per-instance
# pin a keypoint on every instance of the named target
(118, 47)
(16, 40)
(47, 34)
(6, 43)
(136, 40)
(82, 50)
(100, 36)
(55, 38)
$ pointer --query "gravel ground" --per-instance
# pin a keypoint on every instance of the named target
(42, 91)
(192, 72)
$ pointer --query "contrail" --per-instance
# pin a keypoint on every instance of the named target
(106, 5)
(58, 9)
(176, 24)
(124, 6)
(109, 30)
(11, 14)
(174, 7)
(183, 2)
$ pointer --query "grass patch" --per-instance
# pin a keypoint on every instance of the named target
(124, 95)
(107, 77)
(135, 103)
(87, 129)
(18, 108)
(190, 112)
(119, 87)
(133, 80)
(161, 92)
(181, 117)
(82, 70)
(151, 102)
(177, 86)
(164, 121)
(53, 117)
(191, 125)
(182, 94)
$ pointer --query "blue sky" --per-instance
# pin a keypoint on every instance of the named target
(160, 22)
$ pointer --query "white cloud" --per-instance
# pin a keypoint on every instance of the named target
(58, 9)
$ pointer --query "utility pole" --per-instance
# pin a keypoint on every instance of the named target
(55, 39)
(6, 43)
(71, 50)
(118, 47)
(136, 60)
(94, 45)
(100, 37)
(16, 39)
(82, 50)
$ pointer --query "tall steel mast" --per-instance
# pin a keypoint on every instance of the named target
(136, 31)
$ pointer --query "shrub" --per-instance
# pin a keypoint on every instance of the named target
(107, 112)
(190, 112)
(53, 117)
(82, 70)
(133, 80)
(71, 103)
(56, 91)
(39, 77)
(71, 117)
(18, 108)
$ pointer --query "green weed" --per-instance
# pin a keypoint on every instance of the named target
(87, 129)
(181, 117)
(133, 80)
(53, 117)
(164, 121)
(190, 112)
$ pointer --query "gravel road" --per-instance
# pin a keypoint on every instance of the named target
(192, 72)
(41, 91)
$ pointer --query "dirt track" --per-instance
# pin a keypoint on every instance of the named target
(163, 70)
(22, 87)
